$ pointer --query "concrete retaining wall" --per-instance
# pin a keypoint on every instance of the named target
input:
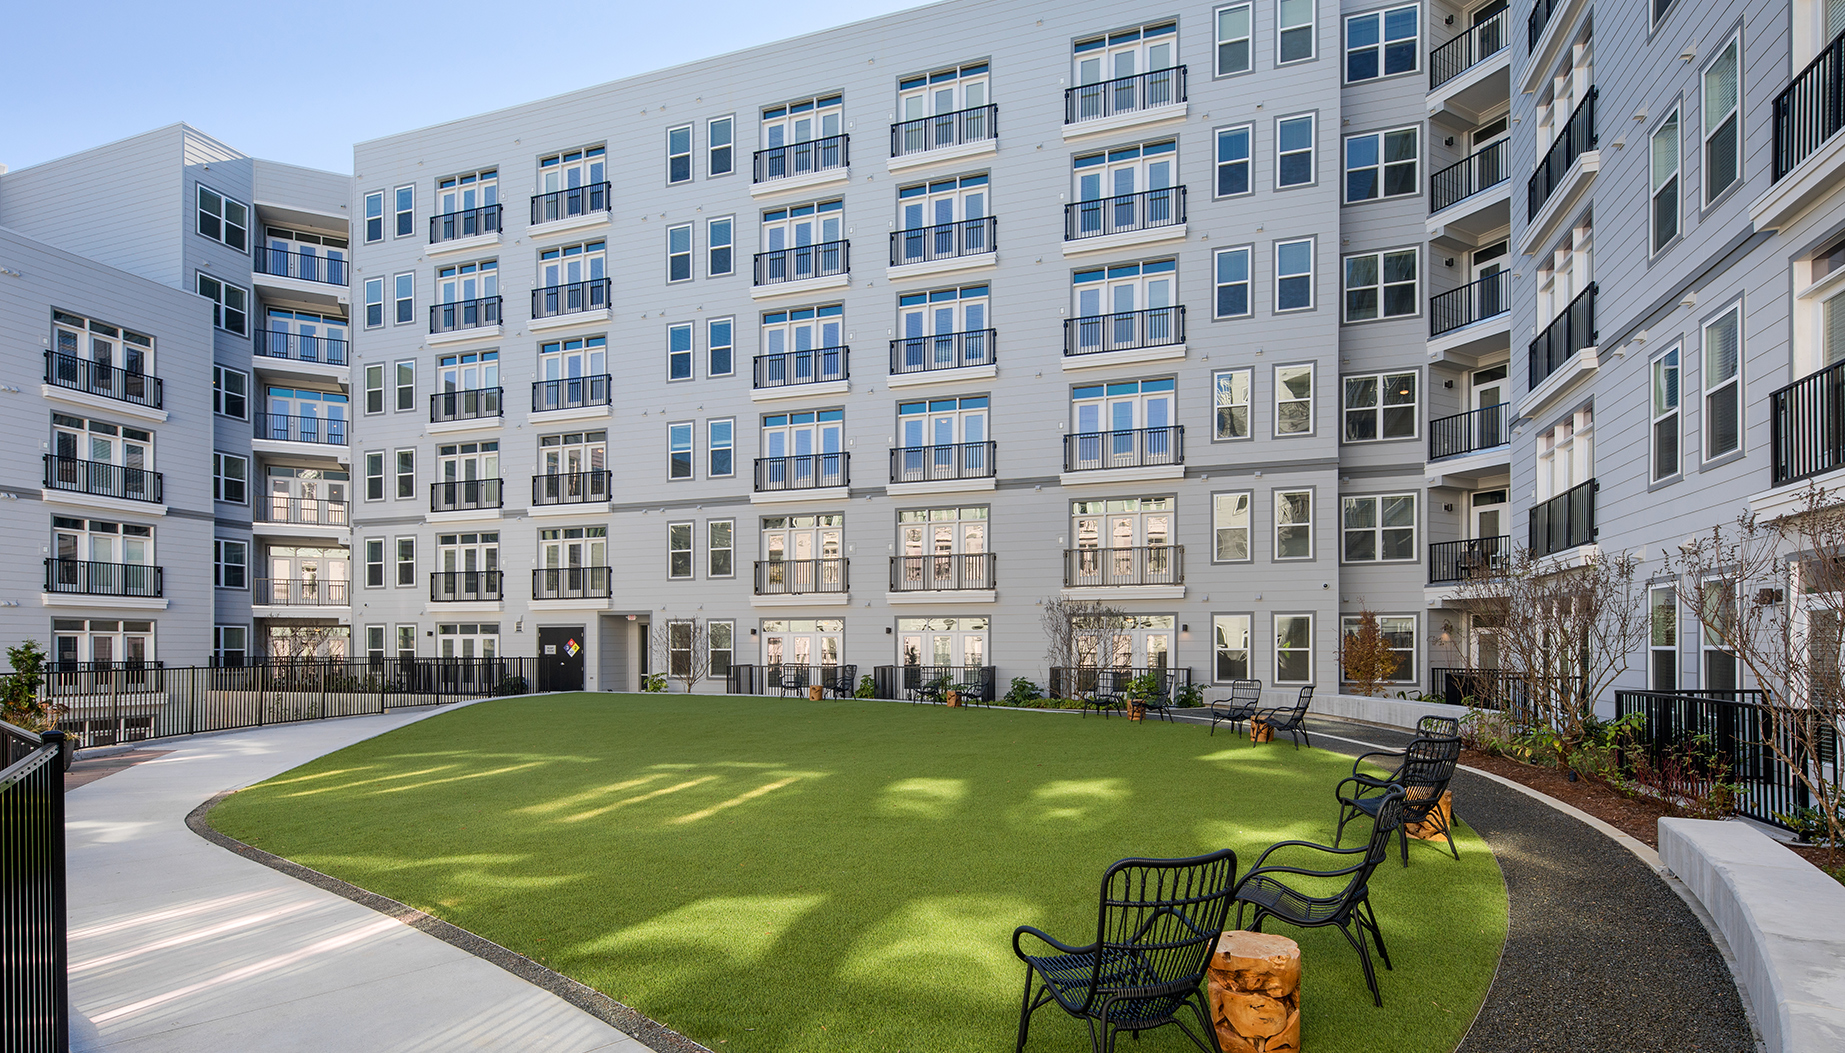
(1390, 712)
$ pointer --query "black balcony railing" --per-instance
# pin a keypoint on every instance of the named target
(1541, 10)
(298, 592)
(795, 159)
(570, 393)
(1481, 170)
(303, 266)
(103, 479)
(570, 488)
(1564, 521)
(110, 382)
(1811, 109)
(1577, 136)
(1569, 333)
(465, 405)
(790, 577)
(819, 365)
(461, 495)
(932, 464)
(1147, 210)
(453, 226)
(460, 586)
(1124, 331)
(1483, 298)
(1474, 558)
(301, 511)
(571, 203)
(574, 298)
(464, 314)
(944, 241)
(921, 354)
(1141, 565)
(947, 129)
(282, 427)
(298, 348)
(1475, 44)
(952, 571)
(804, 471)
(84, 578)
(1130, 448)
(1809, 425)
(803, 262)
(35, 956)
(570, 583)
(1142, 91)
(1470, 432)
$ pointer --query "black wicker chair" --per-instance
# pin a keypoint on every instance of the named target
(1106, 695)
(1291, 719)
(845, 682)
(1426, 767)
(1162, 701)
(794, 680)
(1245, 699)
(1158, 923)
(1433, 727)
(1266, 889)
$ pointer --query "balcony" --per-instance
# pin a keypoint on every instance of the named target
(577, 303)
(477, 404)
(951, 572)
(301, 266)
(1145, 565)
(1541, 10)
(1809, 426)
(1470, 560)
(1152, 452)
(277, 510)
(1565, 521)
(800, 166)
(1562, 177)
(570, 583)
(1144, 98)
(1142, 336)
(101, 479)
(804, 268)
(1459, 198)
(478, 318)
(944, 468)
(1489, 297)
(803, 473)
(103, 381)
(1466, 433)
(1808, 114)
(465, 586)
(570, 488)
(1474, 46)
(315, 431)
(788, 374)
(945, 247)
(466, 229)
(576, 208)
(943, 357)
(292, 592)
(802, 577)
(294, 347)
(571, 393)
(78, 577)
(944, 137)
(465, 495)
(1127, 219)
(1571, 332)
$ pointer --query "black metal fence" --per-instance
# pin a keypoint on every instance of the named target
(1138, 565)
(288, 427)
(1567, 334)
(788, 679)
(944, 241)
(1811, 109)
(34, 954)
(82, 577)
(1809, 425)
(571, 203)
(1495, 689)
(1129, 448)
(465, 405)
(570, 488)
(928, 464)
(1469, 560)
(803, 471)
(921, 354)
(570, 393)
(103, 479)
(819, 365)
(1481, 170)
(796, 577)
(803, 262)
(298, 592)
(1564, 521)
(1146, 210)
(795, 159)
(1083, 681)
(466, 586)
(1459, 55)
(464, 314)
(302, 266)
(1124, 330)
(570, 583)
(973, 683)
(944, 129)
(101, 378)
(947, 571)
(1142, 91)
(1479, 299)
(1576, 136)
(297, 347)
(572, 298)
(461, 495)
(1470, 432)
(467, 223)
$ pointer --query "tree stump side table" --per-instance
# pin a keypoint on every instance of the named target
(814, 693)
(1254, 983)
(1260, 732)
(1441, 818)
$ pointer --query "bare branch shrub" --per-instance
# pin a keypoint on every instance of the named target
(683, 651)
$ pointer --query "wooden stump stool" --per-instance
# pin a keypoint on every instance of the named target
(952, 699)
(1260, 732)
(1254, 983)
(1137, 711)
(814, 693)
(1441, 818)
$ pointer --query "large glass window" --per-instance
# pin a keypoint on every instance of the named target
(956, 641)
(679, 154)
(1233, 151)
(1230, 526)
(230, 304)
(719, 147)
(1665, 416)
(1294, 36)
(1233, 38)
(1380, 406)
(1293, 524)
(1381, 164)
(1293, 648)
(1400, 634)
(1294, 275)
(720, 548)
(1381, 43)
(1380, 529)
(1294, 150)
(719, 347)
(223, 219)
(1230, 392)
(1230, 647)
(1294, 400)
(943, 329)
(1665, 172)
(1723, 384)
(1232, 281)
(1380, 285)
(1662, 639)
(1723, 120)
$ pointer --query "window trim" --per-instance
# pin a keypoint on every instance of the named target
(1249, 384)
(406, 567)
(691, 562)
(1345, 289)
(402, 316)
(370, 563)
(1383, 163)
(219, 545)
(224, 223)
(1704, 137)
(1275, 644)
(1218, 42)
(690, 150)
(1249, 652)
(1312, 151)
(1248, 282)
(220, 310)
(1312, 274)
(689, 354)
(1733, 306)
(369, 475)
(400, 389)
(1655, 418)
(711, 647)
(1249, 526)
(366, 216)
(1350, 622)
(1653, 591)
(1275, 505)
(711, 171)
(374, 371)
(711, 447)
(711, 246)
(730, 346)
(218, 391)
(1346, 408)
(400, 477)
(1381, 14)
(1377, 531)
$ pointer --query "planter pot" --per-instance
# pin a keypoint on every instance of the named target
(814, 693)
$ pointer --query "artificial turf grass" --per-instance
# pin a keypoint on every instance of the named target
(782, 876)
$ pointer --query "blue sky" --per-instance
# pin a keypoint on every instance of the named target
(302, 82)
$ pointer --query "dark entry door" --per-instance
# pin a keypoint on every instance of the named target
(560, 658)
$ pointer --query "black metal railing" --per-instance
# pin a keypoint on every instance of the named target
(819, 365)
(780, 678)
(1567, 334)
(570, 488)
(794, 159)
(947, 129)
(944, 241)
(465, 314)
(283, 427)
(1142, 91)
(1738, 729)
(302, 511)
(1811, 109)
(803, 262)
(102, 479)
(460, 586)
(571, 203)
(1496, 689)
(570, 583)
(931, 464)
(570, 393)
(1124, 331)
(299, 592)
(951, 571)
(1470, 432)
(1481, 298)
(461, 495)
(1146, 210)
(1469, 560)
(790, 577)
(34, 956)
(573, 298)
(926, 683)
(1483, 169)
(81, 577)
(803, 471)
(1809, 425)
(1575, 137)
(466, 405)
(453, 226)
(1564, 521)
(921, 354)
(1541, 10)
(302, 266)
(298, 348)
(110, 382)
(1140, 565)
(1476, 43)
(1129, 448)
(1084, 681)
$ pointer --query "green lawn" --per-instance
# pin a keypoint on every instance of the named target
(785, 876)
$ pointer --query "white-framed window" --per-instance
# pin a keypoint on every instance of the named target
(230, 304)
(374, 563)
(1294, 399)
(374, 475)
(1566, 454)
(1107, 416)
(1717, 664)
(466, 192)
(719, 236)
(406, 385)
(1123, 53)
(230, 478)
(1230, 647)
(374, 643)
(1380, 406)
(721, 448)
(406, 562)
(230, 392)
(405, 200)
(679, 253)
(374, 388)
(1722, 110)
(679, 154)
(679, 351)
(944, 328)
(802, 121)
(679, 550)
(1723, 383)
(1231, 275)
(721, 548)
(1382, 43)
(374, 302)
(1230, 526)
(405, 640)
(1294, 146)
(468, 640)
(374, 216)
(1293, 648)
(1294, 275)
(1293, 524)
(1665, 182)
(1230, 398)
(230, 644)
(1294, 31)
(1233, 150)
(1399, 631)
(1381, 164)
(1380, 528)
(1108, 299)
(406, 473)
(404, 295)
(230, 564)
(1381, 285)
(721, 638)
(1662, 638)
(564, 265)
(720, 148)
(223, 218)
(1234, 31)
(1665, 461)
(720, 347)
(679, 450)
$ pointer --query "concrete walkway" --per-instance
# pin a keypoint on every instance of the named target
(178, 944)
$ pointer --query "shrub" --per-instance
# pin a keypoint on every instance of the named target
(1191, 697)
(654, 682)
(19, 701)
(867, 687)
(1023, 692)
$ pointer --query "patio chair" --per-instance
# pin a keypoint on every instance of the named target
(1426, 728)
(1157, 924)
(1427, 766)
(1106, 694)
(1433, 727)
(1160, 703)
(845, 682)
(794, 680)
(1245, 698)
(1291, 719)
(1267, 889)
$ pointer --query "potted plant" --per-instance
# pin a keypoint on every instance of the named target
(942, 687)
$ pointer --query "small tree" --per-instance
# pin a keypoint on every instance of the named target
(20, 704)
(1081, 634)
(1367, 655)
(683, 651)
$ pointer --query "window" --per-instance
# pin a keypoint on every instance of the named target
(718, 239)
(718, 146)
(406, 385)
(1381, 406)
(1718, 599)
(1399, 632)
(1723, 120)
(1381, 44)
(230, 564)
(230, 475)
(1723, 384)
(1380, 529)
(1294, 36)
(230, 643)
(374, 476)
(374, 563)
(1294, 275)
(405, 286)
(679, 154)
(1233, 160)
(374, 302)
(1231, 387)
(679, 352)
(1662, 642)
(1294, 524)
(223, 219)
(718, 347)
(720, 440)
(1665, 182)
(1233, 50)
(374, 216)
(1294, 150)
(679, 253)
(374, 388)
(1380, 164)
(374, 644)
(1665, 416)
(1230, 647)
(678, 550)
(721, 636)
(406, 642)
(406, 561)
(229, 304)
(406, 473)
(1293, 647)
(1294, 400)
(1230, 527)
(1232, 270)
(720, 548)
(406, 198)
(230, 392)
(679, 447)
(1380, 285)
